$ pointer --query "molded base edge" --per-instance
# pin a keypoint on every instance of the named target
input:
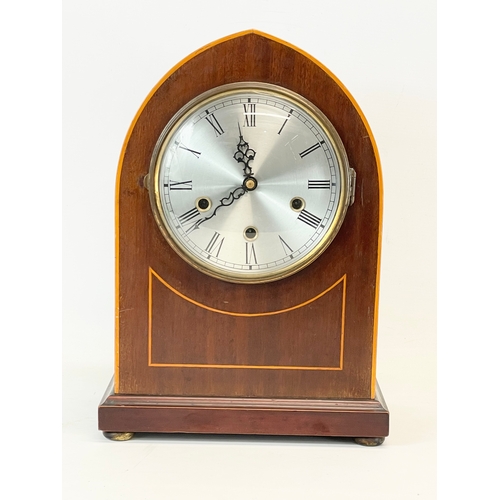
(358, 418)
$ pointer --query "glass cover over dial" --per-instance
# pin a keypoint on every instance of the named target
(249, 183)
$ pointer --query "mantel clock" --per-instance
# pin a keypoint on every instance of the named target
(248, 225)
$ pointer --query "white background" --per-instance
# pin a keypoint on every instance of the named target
(384, 52)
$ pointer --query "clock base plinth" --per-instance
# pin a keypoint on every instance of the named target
(121, 414)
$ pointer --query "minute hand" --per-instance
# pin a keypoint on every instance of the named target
(244, 155)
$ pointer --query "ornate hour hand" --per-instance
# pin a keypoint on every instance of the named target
(244, 155)
(224, 202)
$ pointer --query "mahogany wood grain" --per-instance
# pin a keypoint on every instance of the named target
(158, 327)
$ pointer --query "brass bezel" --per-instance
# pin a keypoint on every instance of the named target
(201, 101)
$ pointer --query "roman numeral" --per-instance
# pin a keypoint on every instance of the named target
(318, 184)
(215, 124)
(249, 110)
(180, 185)
(311, 149)
(189, 215)
(285, 245)
(214, 245)
(309, 219)
(181, 146)
(250, 254)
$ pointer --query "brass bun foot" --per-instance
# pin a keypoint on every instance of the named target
(370, 441)
(119, 436)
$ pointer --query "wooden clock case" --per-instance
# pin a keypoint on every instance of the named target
(199, 355)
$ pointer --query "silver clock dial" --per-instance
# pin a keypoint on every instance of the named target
(250, 183)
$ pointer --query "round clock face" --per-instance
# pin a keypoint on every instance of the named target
(249, 183)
